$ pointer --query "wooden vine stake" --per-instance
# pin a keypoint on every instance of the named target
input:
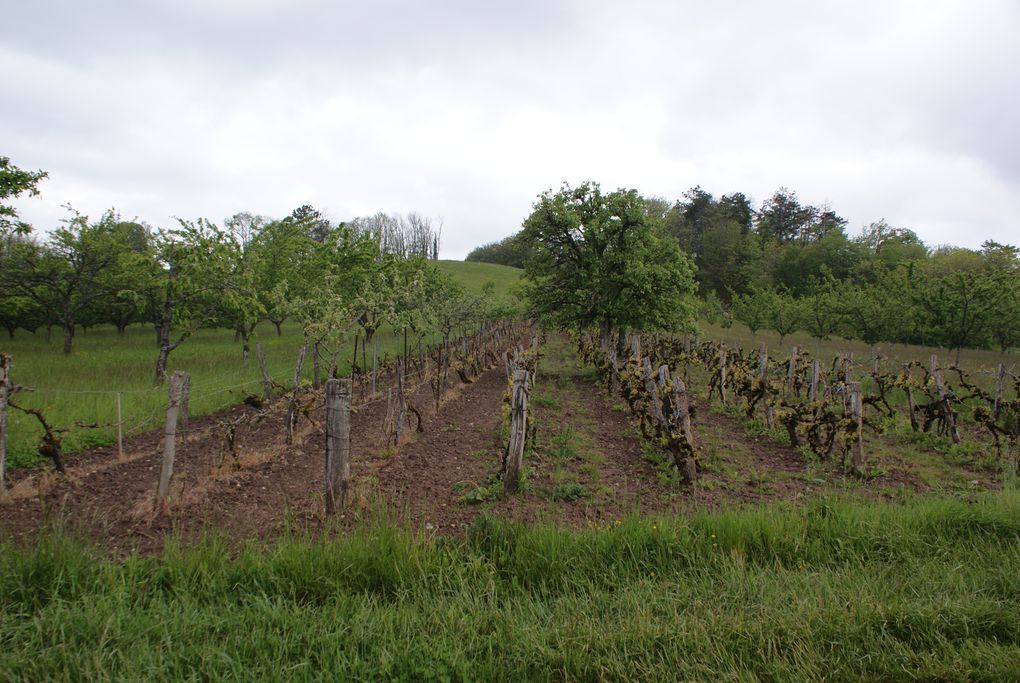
(763, 370)
(857, 415)
(338, 443)
(947, 410)
(722, 372)
(518, 430)
(911, 404)
(815, 372)
(791, 372)
(177, 383)
(5, 392)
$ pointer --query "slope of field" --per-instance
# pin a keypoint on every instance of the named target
(474, 275)
(82, 388)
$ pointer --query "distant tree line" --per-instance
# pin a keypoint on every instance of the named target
(787, 266)
(335, 281)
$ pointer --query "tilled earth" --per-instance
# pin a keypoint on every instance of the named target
(586, 465)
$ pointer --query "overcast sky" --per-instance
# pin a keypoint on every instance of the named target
(466, 110)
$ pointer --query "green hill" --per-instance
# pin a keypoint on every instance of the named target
(474, 274)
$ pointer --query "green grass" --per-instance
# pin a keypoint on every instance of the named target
(832, 590)
(105, 362)
(474, 274)
(894, 355)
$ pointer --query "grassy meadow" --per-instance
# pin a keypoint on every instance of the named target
(830, 590)
(83, 387)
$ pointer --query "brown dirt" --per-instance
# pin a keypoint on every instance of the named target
(587, 465)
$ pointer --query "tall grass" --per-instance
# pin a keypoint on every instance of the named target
(829, 591)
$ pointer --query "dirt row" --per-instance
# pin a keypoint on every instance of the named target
(586, 465)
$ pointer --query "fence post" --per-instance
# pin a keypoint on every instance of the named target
(763, 370)
(177, 381)
(815, 371)
(911, 405)
(518, 430)
(338, 443)
(5, 392)
(791, 372)
(722, 373)
(857, 414)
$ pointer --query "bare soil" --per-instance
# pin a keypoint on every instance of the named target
(586, 465)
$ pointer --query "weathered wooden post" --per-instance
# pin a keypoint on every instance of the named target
(763, 371)
(338, 443)
(947, 409)
(267, 384)
(5, 392)
(292, 402)
(815, 371)
(518, 431)
(911, 404)
(177, 383)
(857, 415)
(722, 372)
(791, 372)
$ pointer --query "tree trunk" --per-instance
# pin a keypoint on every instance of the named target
(68, 338)
(277, 324)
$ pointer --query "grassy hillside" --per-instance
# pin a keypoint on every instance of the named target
(830, 590)
(475, 274)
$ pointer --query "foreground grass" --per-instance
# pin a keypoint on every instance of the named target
(829, 591)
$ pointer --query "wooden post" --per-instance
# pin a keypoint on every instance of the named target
(292, 403)
(722, 372)
(518, 431)
(5, 392)
(401, 412)
(911, 404)
(815, 371)
(791, 372)
(338, 443)
(185, 404)
(857, 414)
(689, 467)
(763, 370)
(120, 429)
(267, 384)
(947, 409)
(177, 382)
(315, 364)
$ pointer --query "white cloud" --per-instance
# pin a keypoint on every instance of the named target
(902, 110)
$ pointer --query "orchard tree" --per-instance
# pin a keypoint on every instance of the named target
(196, 280)
(64, 276)
(598, 262)
(15, 182)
